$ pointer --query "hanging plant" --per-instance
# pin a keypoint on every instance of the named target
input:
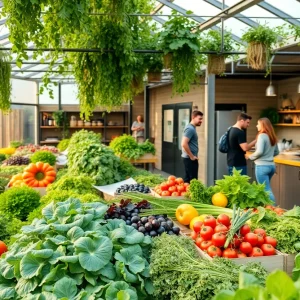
(5, 84)
(213, 42)
(59, 117)
(261, 40)
(181, 37)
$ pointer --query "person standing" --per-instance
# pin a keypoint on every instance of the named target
(265, 150)
(237, 144)
(138, 129)
(189, 144)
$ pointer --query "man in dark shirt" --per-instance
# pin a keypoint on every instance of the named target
(238, 144)
(189, 146)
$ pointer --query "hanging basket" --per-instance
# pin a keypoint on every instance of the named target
(257, 56)
(168, 61)
(216, 64)
(154, 77)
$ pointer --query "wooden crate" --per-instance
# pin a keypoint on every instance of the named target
(183, 229)
(289, 263)
(168, 197)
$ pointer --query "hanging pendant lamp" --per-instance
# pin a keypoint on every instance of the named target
(270, 91)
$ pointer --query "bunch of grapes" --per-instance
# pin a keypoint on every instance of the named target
(17, 161)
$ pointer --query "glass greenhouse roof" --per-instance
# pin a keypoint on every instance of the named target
(239, 15)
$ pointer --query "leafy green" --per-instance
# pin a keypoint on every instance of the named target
(295, 212)
(18, 202)
(150, 180)
(63, 144)
(178, 272)
(9, 227)
(2, 157)
(9, 171)
(72, 251)
(249, 289)
(198, 192)
(239, 191)
(3, 183)
(43, 156)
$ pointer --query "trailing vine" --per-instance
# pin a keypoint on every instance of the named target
(182, 37)
(5, 84)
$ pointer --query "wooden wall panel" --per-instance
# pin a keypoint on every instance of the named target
(137, 106)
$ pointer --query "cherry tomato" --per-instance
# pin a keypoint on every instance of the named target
(180, 188)
(218, 239)
(221, 228)
(261, 231)
(251, 238)
(240, 254)
(210, 221)
(223, 219)
(214, 251)
(172, 189)
(256, 252)
(271, 241)
(183, 194)
(186, 184)
(175, 194)
(268, 249)
(165, 193)
(206, 232)
(260, 240)
(197, 226)
(245, 229)
(194, 235)
(198, 241)
(171, 178)
(171, 183)
(205, 244)
(229, 253)
(246, 247)
(179, 180)
(164, 186)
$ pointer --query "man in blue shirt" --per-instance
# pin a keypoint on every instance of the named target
(189, 146)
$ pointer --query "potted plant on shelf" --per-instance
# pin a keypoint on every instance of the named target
(261, 40)
(213, 42)
(271, 113)
(154, 64)
(181, 37)
(59, 117)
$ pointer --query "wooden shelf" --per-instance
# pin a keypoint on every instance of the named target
(289, 111)
(287, 125)
(79, 127)
(49, 142)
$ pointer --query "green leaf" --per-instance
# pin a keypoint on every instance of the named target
(225, 295)
(45, 253)
(93, 254)
(55, 274)
(65, 288)
(69, 259)
(25, 286)
(7, 292)
(117, 286)
(123, 272)
(109, 271)
(31, 266)
(123, 295)
(285, 290)
(132, 235)
(135, 263)
(246, 280)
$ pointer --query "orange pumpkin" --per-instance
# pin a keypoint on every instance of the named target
(39, 174)
(15, 178)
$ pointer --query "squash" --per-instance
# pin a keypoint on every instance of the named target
(15, 178)
(39, 174)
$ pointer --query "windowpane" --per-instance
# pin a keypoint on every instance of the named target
(69, 94)
(24, 91)
(168, 125)
(45, 98)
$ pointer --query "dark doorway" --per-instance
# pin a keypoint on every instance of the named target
(174, 118)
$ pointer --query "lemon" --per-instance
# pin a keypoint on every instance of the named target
(219, 199)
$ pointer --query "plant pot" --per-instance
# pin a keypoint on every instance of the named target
(168, 61)
(154, 77)
(216, 64)
(257, 56)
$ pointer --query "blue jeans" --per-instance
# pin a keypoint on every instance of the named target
(263, 175)
(244, 170)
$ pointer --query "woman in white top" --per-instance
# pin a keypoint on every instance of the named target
(138, 129)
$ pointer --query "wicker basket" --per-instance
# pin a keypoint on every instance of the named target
(216, 64)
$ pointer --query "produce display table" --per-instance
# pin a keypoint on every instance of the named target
(145, 159)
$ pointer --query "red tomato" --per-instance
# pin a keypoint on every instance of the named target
(221, 228)
(269, 207)
(229, 253)
(246, 247)
(171, 183)
(279, 211)
(218, 239)
(214, 251)
(271, 241)
(210, 221)
(236, 241)
(158, 191)
(194, 235)
(164, 186)
(245, 229)
(186, 184)
(179, 180)
(260, 240)
(165, 193)
(268, 249)
(197, 226)
(240, 254)
(175, 194)
(206, 232)
(198, 241)
(251, 238)
(256, 252)
(261, 231)
(172, 189)
(205, 244)
(183, 194)
(223, 219)
(180, 188)
(171, 178)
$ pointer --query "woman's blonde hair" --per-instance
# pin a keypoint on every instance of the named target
(267, 128)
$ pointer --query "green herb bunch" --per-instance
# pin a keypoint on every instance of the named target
(43, 156)
(240, 192)
(63, 144)
(5, 84)
(15, 144)
(84, 135)
(9, 171)
(181, 36)
(73, 253)
(198, 192)
(150, 180)
(9, 227)
(18, 202)
(179, 273)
